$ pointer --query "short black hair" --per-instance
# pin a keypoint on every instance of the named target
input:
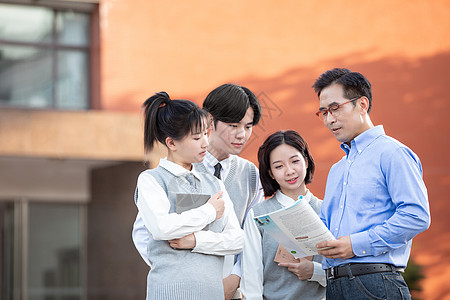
(288, 137)
(354, 84)
(170, 118)
(229, 102)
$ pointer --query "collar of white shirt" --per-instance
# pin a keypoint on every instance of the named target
(176, 169)
(212, 161)
(288, 201)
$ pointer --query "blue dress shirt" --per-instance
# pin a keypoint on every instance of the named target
(376, 195)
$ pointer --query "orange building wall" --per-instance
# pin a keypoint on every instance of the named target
(278, 48)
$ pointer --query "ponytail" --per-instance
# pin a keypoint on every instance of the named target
(151, 107)
(170, 118)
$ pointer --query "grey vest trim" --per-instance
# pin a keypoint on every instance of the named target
(275, 276)
(184, 274)
(240, 184)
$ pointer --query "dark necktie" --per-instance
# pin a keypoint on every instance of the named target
(217, 168)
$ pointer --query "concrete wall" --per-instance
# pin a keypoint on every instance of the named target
(115, 269)
(71, 134)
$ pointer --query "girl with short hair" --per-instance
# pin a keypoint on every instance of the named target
(285, 167)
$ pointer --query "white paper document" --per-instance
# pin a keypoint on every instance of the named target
(297, 228)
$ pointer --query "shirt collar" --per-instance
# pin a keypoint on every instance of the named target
(212, 161)
(364, 139)
(288, 201)
(176, 169)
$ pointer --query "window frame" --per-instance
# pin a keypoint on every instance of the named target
(90, 51)
(21, 263)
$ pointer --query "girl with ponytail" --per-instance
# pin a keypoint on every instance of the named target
(187, 239)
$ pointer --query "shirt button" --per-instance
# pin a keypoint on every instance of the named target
(384, 252)
(342, 206)
(364, 252)
(345, 183)
(349, 161)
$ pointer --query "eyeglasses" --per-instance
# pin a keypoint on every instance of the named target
(333, 109)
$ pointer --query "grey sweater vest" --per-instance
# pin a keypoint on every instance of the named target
(183, 274)
(240, 184)
(279, 283)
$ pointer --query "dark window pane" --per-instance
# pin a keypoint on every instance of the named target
(9, 255)
(25, 76)
(72, 82)
(54, 251)
(26, 24)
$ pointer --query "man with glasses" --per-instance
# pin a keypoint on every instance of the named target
(375, 199)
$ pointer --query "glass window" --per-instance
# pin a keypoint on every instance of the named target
(72, 28)
(26, 24)
(54, 251)
(25, 76)
(9, 252)
(44, 57)
(71, 86)
(43, 251)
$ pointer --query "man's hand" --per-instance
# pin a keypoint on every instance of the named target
(303, 268)
(230, 285)
(187, 242)
(340, 248)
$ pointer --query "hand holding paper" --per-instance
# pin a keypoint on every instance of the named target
(218, 203)
(297, 227)
(340, 248)
(303, 267)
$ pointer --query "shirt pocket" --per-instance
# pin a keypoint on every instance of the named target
(367, 195)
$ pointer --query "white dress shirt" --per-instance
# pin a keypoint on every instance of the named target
(154, 207)
(252, 262)
(209, 162)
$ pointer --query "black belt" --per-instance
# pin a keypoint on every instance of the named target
(360, 269)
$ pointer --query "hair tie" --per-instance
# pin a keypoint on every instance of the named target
(162, 105)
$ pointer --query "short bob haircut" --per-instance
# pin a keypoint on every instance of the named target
(288, 137)
(229, 102)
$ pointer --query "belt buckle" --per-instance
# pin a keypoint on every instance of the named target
(330, 273)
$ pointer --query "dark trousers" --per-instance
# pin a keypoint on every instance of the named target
(385, 285)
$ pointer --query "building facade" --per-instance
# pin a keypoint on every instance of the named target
(68, 167)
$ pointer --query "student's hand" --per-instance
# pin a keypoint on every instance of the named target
(230, 285)
(187, 242)
(340, 248)
(218, 203)
(303, 268)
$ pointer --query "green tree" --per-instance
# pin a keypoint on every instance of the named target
(413, 275)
